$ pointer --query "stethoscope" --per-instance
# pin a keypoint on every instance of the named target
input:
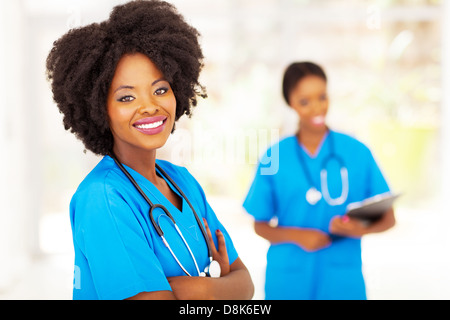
(211, 270)
(313, 195)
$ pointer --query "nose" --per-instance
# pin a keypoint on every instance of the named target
(319, 106)
(316, 108)
(148, 106)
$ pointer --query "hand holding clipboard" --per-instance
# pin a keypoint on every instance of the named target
(361, 216)
(373, 208)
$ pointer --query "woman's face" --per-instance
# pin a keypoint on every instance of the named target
(141, 106)
(309, 99)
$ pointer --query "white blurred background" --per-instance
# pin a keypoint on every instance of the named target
(388, 63)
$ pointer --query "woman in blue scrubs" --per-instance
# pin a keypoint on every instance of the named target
(315, 250)
(121, 85)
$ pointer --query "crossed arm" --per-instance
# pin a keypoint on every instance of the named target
(234, 283)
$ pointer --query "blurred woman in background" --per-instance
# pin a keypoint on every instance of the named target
(315, 250)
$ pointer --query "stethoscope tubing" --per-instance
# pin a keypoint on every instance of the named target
(324, 176)
(154, 206)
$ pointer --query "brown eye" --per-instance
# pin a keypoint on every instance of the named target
(126, 99)
(161, 91)
(304, 102)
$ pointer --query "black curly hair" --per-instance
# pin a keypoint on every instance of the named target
(82, 63)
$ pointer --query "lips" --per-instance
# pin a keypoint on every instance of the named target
(150, 125)
(318, 120)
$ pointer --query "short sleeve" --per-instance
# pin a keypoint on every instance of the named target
(376, 182)
(120, 259)
(260, 200)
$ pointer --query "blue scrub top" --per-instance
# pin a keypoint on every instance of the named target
(334, 272)
(118, 252)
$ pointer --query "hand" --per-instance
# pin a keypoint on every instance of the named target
(236, 285)
(220, 254)
(308, 239)
(312, 239)
(345, 226)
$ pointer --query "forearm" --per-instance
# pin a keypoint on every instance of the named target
(277, 234)
(385, 223)
(354, 228)
(236, 285)
(308, 239)
(155, 295)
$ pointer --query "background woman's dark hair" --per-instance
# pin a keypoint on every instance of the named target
(82, 63)
(297, 71)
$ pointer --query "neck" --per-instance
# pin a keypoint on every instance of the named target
(141, 162)
(311, 139)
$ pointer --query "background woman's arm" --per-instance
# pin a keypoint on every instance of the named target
(308, 239)
(354, 228)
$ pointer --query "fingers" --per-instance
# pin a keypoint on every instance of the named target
(345, 227)
(210, 238)
(339, 223)
(220, 255)
(220, 239)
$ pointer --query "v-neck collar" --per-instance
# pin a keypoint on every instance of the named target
(319, 147)
(172, 187)
(148, 186)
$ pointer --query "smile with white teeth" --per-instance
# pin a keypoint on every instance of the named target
(318, 119)
(149, 125)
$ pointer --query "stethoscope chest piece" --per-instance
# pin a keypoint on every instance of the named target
(212, 270)
(313, 196)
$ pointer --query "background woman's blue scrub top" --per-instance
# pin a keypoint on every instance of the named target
(118, 252)
(331, 273)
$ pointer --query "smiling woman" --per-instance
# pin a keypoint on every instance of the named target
(121, 86)
(83, 62)
(140, 104)
(315, 248)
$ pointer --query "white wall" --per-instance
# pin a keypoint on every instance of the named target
(445, 111)
(15, 211)
(33, 141)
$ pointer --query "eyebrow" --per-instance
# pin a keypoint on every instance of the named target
(123, 87)
(131, 87)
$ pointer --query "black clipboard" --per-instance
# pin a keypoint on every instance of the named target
(373, 208)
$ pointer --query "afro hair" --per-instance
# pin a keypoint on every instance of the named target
(82, 63)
